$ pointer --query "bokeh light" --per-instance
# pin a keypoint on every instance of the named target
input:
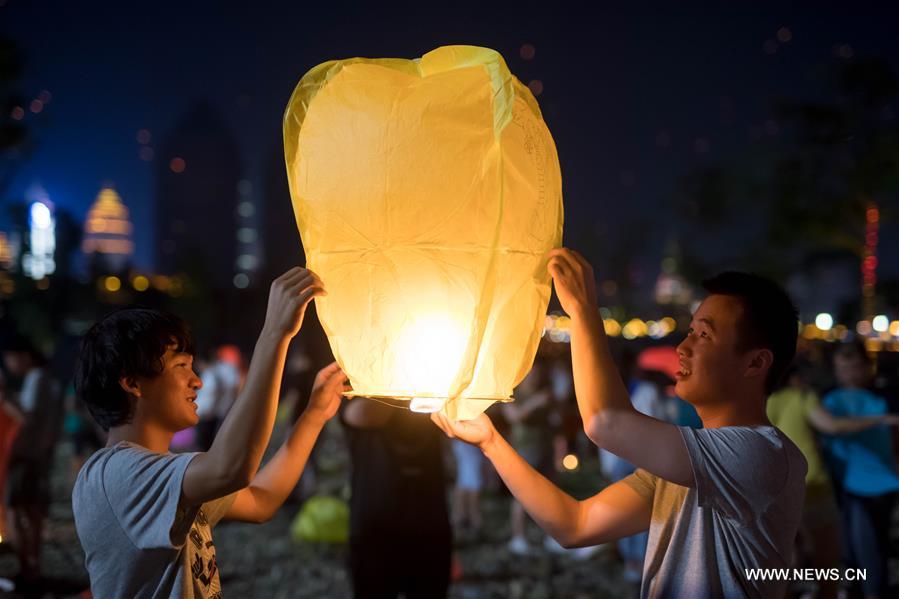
(570, 462)
(824, 321)
(112, 284)
(140, 283)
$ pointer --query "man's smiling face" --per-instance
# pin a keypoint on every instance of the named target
(712, 363)
(169, 399)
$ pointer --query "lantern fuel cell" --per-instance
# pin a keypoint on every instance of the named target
(427, 405)
(427, 193)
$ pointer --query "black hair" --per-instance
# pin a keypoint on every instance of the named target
(769, 318)
(127, 343)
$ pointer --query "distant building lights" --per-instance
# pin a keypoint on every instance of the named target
(824, 321)
(140, 283)
(38, 262)
(112, 284)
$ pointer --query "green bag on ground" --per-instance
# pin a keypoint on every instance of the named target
(322, 519)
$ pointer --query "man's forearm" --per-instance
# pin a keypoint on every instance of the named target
(597, 384)
(554, 510)
(245, 433)
(274, 481)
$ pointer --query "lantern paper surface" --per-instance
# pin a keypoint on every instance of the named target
(427, 194)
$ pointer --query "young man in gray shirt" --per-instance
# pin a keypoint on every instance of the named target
(143, 515)
(718, 501)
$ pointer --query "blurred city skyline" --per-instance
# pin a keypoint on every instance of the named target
(637, 98)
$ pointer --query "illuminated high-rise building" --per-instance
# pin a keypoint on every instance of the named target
(38, 262)
(107, 232)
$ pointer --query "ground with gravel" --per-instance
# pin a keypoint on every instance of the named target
(263, 560)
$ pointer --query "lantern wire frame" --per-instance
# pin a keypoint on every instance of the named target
(405, 402)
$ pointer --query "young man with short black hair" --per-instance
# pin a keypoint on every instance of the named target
(144, 515)
(718, 501)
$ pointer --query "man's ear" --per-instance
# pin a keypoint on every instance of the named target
(129, 384)
(760, 363)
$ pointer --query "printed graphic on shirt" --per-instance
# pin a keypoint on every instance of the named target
(203, 566)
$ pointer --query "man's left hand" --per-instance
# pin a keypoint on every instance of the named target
(326, 392)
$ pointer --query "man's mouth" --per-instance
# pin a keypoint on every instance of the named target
(684, 371)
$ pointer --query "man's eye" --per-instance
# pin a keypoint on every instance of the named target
(704, 334)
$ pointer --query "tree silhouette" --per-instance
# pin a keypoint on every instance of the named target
(812, 187)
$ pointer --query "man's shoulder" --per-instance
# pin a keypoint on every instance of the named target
(89, 483)
(747, 443)
(92, 471)
(762, 435)
(788, 447)
(780, 449)
(123, 450)
(135, 488)
(122, 460)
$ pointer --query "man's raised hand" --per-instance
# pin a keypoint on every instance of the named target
(478, 431)
(288, 298)
(574, 281)
(326, 392)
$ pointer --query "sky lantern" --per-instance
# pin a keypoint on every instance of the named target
(427, 193)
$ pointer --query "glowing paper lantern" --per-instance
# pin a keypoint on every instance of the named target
(427, 194)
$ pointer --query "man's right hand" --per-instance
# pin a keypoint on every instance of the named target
(574, 281)
(287, 300)
(478, 431)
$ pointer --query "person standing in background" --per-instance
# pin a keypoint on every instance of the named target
(469, 483)
(532, 437)
(400, 534)
(221, 384)
(864, 468)
(792, 409)
(11, 418)
(32, 452)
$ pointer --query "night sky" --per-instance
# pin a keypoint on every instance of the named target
(635, 96)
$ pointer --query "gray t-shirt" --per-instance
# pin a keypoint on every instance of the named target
(137, 540)
(742, 514)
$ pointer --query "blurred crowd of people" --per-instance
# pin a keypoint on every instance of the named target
(837, 404)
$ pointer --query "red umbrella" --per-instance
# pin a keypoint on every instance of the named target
(660, 359)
